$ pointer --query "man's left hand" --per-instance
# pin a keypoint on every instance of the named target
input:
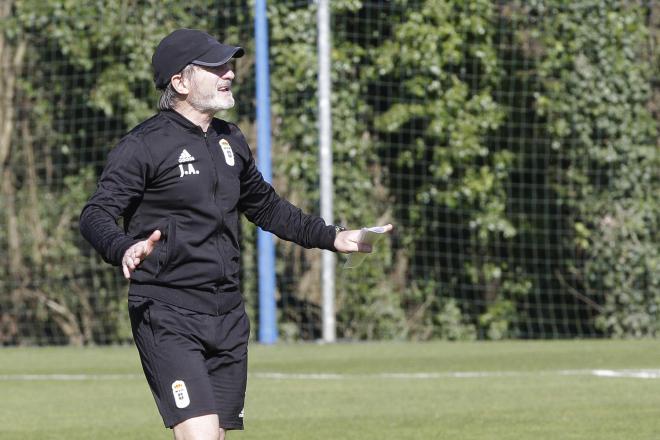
(347, 242)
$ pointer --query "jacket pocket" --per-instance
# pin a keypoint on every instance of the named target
(166, 249)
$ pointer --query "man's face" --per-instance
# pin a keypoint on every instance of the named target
(210, 88)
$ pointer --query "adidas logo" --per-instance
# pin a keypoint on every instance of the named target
(185, 157)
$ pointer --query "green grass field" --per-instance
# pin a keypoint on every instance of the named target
(519, 390)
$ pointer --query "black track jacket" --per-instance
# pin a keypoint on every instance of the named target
(167, 174)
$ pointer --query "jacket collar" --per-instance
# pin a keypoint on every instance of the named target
(217, 126)
(180, 120)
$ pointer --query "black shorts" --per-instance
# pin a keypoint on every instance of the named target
(196, 364)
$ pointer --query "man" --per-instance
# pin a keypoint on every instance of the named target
(179, 180)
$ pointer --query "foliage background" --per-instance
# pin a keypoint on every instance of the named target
(514, 144)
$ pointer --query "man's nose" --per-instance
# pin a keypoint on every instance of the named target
(228, 75)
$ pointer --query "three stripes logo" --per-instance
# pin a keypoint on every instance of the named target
(186, 158)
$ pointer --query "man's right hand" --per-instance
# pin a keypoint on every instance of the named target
(135, 254)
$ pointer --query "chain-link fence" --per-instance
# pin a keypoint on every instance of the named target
(513, 144)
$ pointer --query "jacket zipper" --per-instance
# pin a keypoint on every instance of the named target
(215, 169)
(215, 188)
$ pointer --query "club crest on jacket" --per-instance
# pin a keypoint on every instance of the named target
(227, 151)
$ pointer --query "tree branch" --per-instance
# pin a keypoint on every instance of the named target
(585, 299)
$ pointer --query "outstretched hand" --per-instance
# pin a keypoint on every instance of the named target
(347, 242)
(135, 254)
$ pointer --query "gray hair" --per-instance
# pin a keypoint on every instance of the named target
(170, 97)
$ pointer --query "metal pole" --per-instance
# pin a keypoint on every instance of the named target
(325, 158)
(265, 245)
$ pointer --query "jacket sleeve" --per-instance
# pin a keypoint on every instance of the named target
(119, 189)
(265, 208)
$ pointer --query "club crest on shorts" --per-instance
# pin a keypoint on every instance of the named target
(180, 392)
(227, 151)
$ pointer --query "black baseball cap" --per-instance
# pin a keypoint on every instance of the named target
(188, 46)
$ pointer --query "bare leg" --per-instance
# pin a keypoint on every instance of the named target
(199, 428)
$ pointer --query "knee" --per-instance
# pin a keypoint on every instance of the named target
(199, 428)
(219, 435)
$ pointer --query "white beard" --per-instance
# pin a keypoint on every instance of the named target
(212, 102)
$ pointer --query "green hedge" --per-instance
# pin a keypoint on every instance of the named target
(513, 144)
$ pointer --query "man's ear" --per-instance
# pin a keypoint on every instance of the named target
(179, 84)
